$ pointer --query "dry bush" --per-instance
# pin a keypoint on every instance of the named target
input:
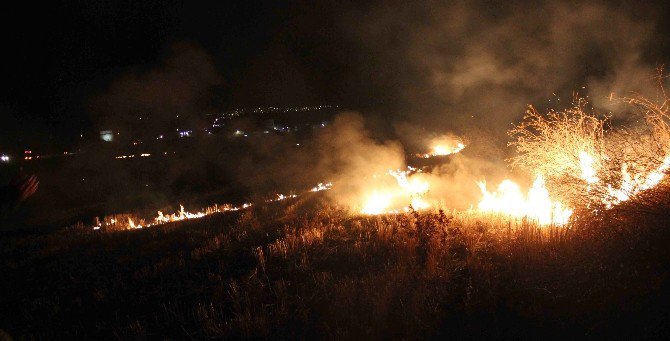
(563, 145)
(655, 112)
(553, 144)
(642, 147)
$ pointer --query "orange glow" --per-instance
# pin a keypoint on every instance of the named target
(409, 189)
(510, 200)
(442, 146)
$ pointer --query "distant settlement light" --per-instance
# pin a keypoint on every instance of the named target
(107, 135)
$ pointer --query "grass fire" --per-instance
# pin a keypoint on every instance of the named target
(392, 170)
(302, 254)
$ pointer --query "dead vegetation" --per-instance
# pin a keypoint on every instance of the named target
(591, 162)
(305, 269)
(292, 270)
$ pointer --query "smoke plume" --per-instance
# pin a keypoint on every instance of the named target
(179, 86)
(459, 66)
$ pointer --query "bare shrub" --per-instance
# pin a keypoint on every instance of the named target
(555, 144)
(586, 160)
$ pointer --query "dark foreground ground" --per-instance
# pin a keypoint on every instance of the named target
(303, 269)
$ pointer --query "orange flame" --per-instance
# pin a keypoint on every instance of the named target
(408, 190)
(536, 205)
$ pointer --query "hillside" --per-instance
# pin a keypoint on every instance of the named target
(302, 268)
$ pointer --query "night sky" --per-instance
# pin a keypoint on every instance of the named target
(60, 55)
(61, 59)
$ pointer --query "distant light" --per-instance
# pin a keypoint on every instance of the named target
(185, 133)
(4, 158)
(107, 135)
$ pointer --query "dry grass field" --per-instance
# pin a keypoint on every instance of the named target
(305, 269)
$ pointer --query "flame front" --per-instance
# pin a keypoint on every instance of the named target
(586, 163)
(377, 203)
(510, 200)
(634, 183)
(321, 187)
(128, 222)
(409, 189)
(442, 146)
(443, 149)
(537, 204)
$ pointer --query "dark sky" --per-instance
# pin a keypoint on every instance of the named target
(424, 63)
(57, 56)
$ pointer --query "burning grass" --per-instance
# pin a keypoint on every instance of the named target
(443, 146)
(589, 163)
(302, 268)
(579, 161)
(582, 254)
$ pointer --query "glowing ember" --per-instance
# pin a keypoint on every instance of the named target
(281, 197)
(536, 205)
(321, 187)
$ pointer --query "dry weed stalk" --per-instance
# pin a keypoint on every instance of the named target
(553, 144)
(589, 162)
